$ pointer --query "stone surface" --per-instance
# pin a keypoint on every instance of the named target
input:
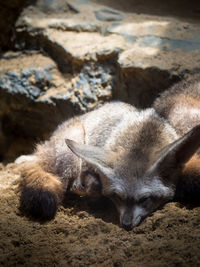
(35, 96)
(150, 52)
(74, 55)
(9, 12)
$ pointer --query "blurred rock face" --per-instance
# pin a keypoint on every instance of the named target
(9, 12)
(72, 56)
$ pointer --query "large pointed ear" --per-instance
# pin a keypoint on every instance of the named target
(96, 156)
(175, 155)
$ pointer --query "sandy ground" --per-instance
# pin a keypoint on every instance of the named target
(88, 234)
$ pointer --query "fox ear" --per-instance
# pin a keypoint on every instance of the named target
(176, 154)
(96, 156)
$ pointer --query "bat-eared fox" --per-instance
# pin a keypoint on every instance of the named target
(139, 159)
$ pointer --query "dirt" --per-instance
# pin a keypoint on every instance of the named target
(86, 233)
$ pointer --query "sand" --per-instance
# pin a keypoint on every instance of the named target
(85, 233)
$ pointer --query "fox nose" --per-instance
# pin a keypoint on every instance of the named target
(127, 226)
(127, 222)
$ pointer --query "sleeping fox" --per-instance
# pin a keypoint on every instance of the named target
(134, 157)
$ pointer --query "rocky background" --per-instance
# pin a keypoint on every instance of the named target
(61, 58)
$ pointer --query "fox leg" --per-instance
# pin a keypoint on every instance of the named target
(41, 192)
(51, 170)
(47, 174)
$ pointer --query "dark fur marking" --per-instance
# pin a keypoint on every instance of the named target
(91, 183)
(38, 204)
(188, 191)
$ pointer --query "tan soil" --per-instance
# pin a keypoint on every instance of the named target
(89, 235)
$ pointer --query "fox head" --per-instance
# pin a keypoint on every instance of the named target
(135, 183)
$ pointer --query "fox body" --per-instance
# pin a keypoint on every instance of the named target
(180, 105)
(134, 157)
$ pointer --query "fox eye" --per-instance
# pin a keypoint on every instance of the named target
(115, 196)
(144, 199)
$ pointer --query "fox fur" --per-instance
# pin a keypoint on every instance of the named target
(180, 105)
(134, 157)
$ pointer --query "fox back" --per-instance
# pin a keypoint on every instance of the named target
(180, 105)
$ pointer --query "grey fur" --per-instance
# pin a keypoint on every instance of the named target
(134, 153)
(180, 105)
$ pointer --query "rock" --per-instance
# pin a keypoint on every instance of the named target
(148, 54)
(8, 19)
(36, 97)
(158, 57)
(94, 84)
(108, 15)
(73, 56)
(137, 83)
(3, 142)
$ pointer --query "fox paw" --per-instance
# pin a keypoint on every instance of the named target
(38, 204)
